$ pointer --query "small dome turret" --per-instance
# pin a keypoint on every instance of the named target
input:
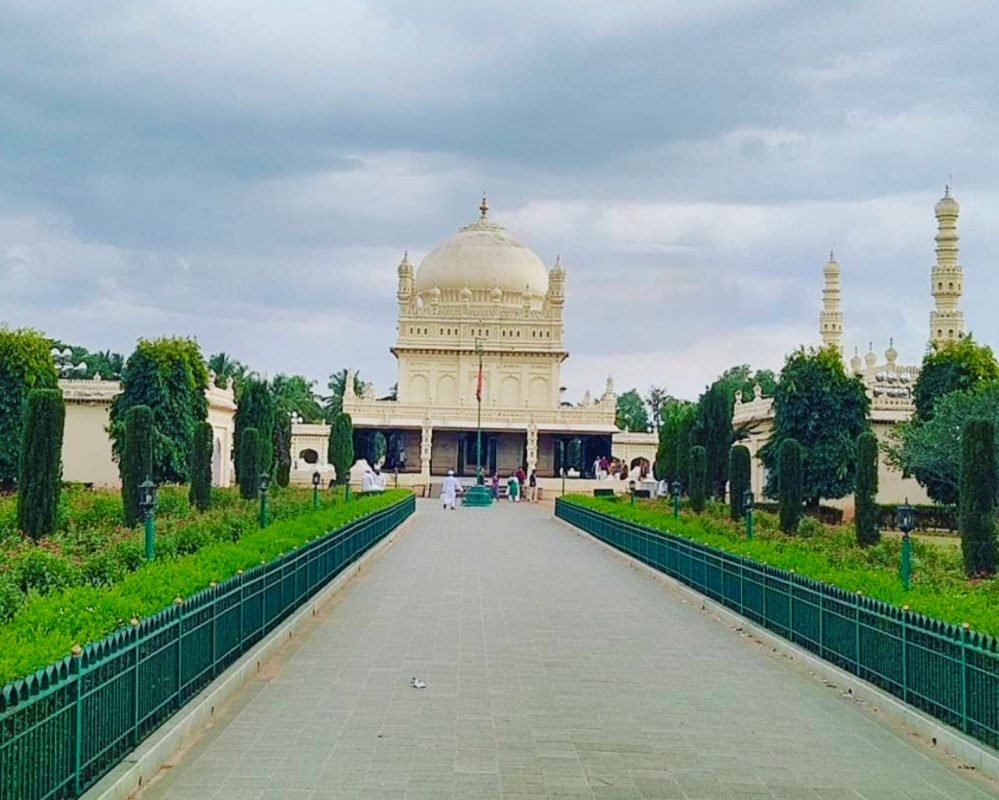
(856, 363)
(870, 359)
(891, 354)
(946, 205)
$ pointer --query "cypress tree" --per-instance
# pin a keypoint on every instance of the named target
(341, 448)
(40, 462)
(200, 495)
(698, 477)
(866, 489)
(282, 448)
(739, 466)
(136, 463)
(978, 497)
(249, 463)
(789, 482)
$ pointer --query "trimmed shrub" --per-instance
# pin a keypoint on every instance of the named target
(249, 463)
(200, 495)
(136, 461)
(282, 449)
(40, 469)
(341, 448)
(865, 490)
(698, 477)
(739, 466)
(38, 570)
(789, 485)
(978, 497)
(256, 410)
(11, 598)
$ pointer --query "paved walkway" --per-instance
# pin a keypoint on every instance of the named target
(553, 670)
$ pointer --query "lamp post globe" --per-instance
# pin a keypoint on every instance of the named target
(316, 480)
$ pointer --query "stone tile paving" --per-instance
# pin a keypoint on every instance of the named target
(553, 670)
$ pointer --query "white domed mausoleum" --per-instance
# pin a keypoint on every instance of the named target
(483, 300)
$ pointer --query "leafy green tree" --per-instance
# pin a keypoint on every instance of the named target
(25, 364)
(979, 486)
(655, 400)
(341, 447)
(698, 477)
(337, 386)
(739, 469)
(200, 493)
(953, 367)
(790, 473)
(250, 465)
(673, 454)
(40, 476)
(824, 410)
(169, 376)
(88, 364)
(136, 464)
(631, 412)
(866, 490)
(931, 449)
(255, 409)
(713, 431)
(282, 448)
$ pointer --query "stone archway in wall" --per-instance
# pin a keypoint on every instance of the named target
(217, 462)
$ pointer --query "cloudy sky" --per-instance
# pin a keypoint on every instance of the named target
(251, 172)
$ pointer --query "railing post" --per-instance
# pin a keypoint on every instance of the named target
(179, 602)
(215, 631)
(135, 681)
(856, 644)
(790, 607)
(964, 676)
(822, 620)
(76, 665)
(905, 654)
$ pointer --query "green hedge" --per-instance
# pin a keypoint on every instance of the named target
(698, 477)
(200, 493)
(978, 497)
(739, 469)
(249, 463)
(40, 469)
(790, 487)
(136, 460)
(866, 489)
(940, 588)
(46, 628)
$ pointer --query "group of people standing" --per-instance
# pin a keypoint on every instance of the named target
(516, 484)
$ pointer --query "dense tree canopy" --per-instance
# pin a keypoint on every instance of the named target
(656, 399)
(169, 376)
(293, 394)
(713, 431)
(225, 367)
(673, 454)
(256, 409)
(953, 367)
(41, 463)
(825, 410)
(89, 364)
(932, 449)
(632, 414)
(25, 364)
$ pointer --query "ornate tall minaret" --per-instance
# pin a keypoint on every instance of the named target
(831, 317)
(947, 284)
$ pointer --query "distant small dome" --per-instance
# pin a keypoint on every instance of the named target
(496, 294)
(466, 295)
(405, 266)
(870, 358)
(480, 255)
(832, 266)
(557, 268)
(891, 354)
(946, 204)
(435, 293)
(856, 363)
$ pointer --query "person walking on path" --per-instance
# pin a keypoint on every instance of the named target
(513, 489)
(450, 491)
(495, 486)
(532, 486)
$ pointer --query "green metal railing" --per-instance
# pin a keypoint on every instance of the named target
(67, 725)
(945, 670)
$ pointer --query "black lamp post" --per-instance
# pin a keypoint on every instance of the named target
(316, 480)
(748, 501)
(265, 481)
(631, 490)
(905, 518)
(147, 504)
(676, 499)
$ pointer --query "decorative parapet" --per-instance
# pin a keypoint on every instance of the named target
(89, 392)
(391, 413)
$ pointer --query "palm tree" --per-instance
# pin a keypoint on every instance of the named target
(293, 394)
(225, 366)
(337, 385)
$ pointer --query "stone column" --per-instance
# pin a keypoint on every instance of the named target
(426, 441)
(532, 447)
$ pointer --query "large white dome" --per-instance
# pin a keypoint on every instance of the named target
(482, 256)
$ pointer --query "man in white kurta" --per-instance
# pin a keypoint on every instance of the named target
(451, 490)
(368, 482)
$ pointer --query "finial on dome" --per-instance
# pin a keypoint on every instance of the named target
(484, 206)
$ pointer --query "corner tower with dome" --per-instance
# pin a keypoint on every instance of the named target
(482, 295)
